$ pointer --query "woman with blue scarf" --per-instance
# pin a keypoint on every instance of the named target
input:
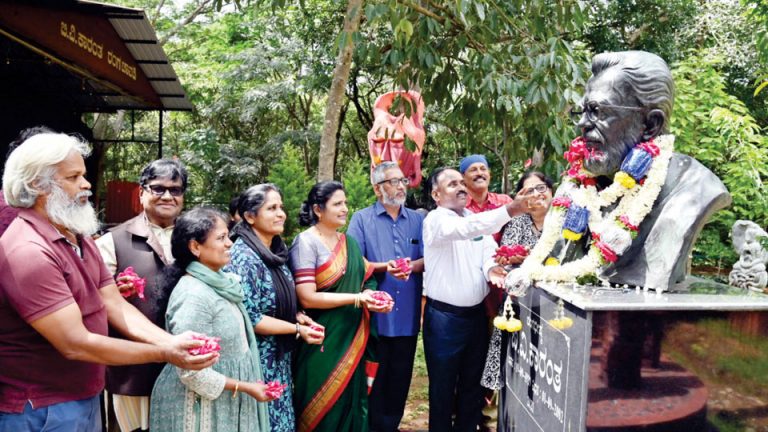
(228, 396)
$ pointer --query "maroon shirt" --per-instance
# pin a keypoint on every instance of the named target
(42, 273)
(7, 214)
(493, 201)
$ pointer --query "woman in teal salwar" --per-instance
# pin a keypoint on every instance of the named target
(228, 396)
(330, 384)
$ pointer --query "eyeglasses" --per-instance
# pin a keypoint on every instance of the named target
(539, 188)
(596, 111)
(159, 190)
(395, 181)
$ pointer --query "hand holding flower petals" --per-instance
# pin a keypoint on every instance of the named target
(129, 276)
(210, 344)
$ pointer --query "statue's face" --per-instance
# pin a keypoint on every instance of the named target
(612, 123)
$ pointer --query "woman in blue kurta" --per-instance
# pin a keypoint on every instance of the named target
(260, 257)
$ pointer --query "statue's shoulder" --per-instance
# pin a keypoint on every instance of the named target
(690, 178)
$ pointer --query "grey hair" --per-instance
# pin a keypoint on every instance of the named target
(377, 176)
(648, 78)
(30, 168)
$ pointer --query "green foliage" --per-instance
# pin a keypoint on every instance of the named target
(498, 77)
(357, 184)
(717, 129)
(289, 175)
(648, 25)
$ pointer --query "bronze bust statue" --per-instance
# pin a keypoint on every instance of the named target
(628, 101)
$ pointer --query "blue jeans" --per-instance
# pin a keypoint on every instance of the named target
(455, 345)
(75, 416)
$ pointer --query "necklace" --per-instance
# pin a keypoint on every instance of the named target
(580, 206)
(329, 241)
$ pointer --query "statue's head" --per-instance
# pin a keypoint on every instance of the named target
(628, 100)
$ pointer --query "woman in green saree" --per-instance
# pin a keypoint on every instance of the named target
(333, 283)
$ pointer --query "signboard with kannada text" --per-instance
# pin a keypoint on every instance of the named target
(545, 372)
(86, 40)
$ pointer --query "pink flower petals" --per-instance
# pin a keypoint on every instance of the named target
(624, 219)
(510, 251)
(211, 345)
(608, 254)
(561, 201)
(403, 264)
(382, 298)
(577, 151)
(320, 329)
(650, 147)
(138, 283)
(275, 389)
(575, 156)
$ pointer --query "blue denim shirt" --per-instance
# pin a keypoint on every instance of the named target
(383, 239)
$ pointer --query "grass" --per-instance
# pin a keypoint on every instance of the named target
(727, 356)
(723, 358)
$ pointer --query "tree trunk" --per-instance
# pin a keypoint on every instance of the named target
(336, 93)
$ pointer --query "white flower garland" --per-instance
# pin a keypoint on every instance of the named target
(635, 203)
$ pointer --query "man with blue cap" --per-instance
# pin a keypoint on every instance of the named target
(477, 178)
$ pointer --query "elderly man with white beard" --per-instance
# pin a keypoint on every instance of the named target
(57, 298)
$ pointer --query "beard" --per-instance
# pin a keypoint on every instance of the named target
(63, 210)
(607, 163)
(608, 153)
(392, 200)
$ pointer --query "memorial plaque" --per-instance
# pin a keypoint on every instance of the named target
(545, 372)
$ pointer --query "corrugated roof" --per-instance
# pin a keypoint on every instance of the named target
(140, 38)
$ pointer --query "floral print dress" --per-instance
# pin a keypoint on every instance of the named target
(520, 230)
(260, 300)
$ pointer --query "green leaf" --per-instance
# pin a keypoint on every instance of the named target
(480, 9)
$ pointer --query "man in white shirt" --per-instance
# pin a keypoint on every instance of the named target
(458, 261)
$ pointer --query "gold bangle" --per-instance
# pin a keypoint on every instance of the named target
(237, 386)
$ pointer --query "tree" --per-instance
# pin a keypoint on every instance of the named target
(336, 99)
(717, 129)
(289, 175)
(503, 74)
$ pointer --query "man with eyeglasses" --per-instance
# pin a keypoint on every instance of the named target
(628, 100)
(388, 231)
(144, 243)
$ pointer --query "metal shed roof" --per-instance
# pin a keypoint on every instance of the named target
(89, 88)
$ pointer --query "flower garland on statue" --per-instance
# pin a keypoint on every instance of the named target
(636, 185)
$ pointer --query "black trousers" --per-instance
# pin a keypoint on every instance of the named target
(455, 346)
(390, 389)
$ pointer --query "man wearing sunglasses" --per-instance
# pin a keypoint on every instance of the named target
(144, 243)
